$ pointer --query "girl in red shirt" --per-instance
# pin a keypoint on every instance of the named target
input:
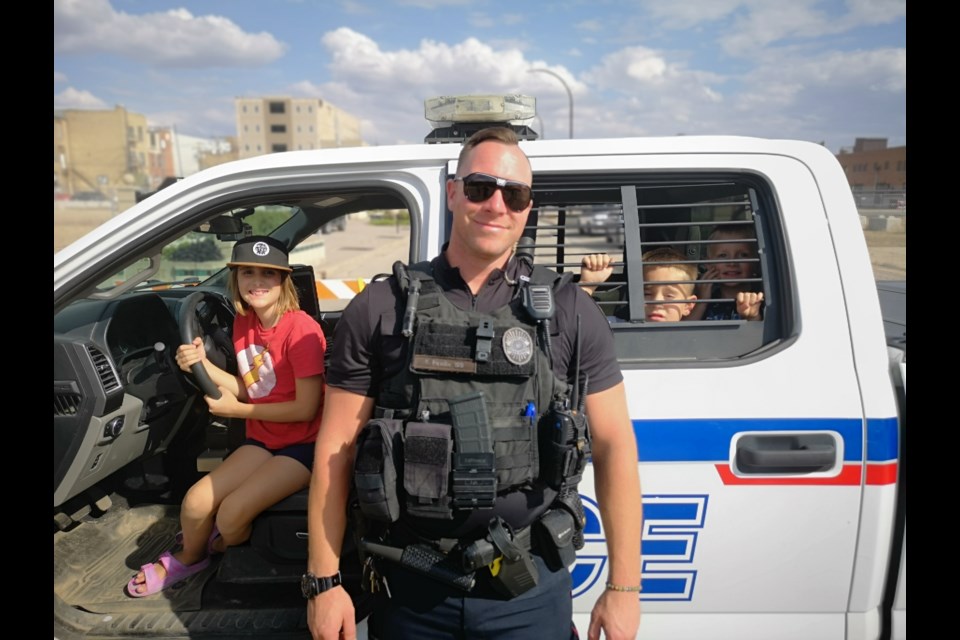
(279, 391)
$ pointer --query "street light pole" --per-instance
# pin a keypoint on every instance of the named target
(565, 86)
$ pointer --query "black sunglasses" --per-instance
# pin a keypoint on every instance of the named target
(479, 187)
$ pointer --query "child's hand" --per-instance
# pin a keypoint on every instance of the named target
(704, 290)
(190, 354)
(226, 406)
(748, 305)
(595, 267)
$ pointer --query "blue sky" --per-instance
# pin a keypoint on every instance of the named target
(821, 70)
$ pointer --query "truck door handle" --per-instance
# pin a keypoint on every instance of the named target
(786, 453)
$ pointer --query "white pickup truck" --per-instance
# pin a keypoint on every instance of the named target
(771, 452)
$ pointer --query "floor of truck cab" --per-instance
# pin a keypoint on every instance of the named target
(94, 561)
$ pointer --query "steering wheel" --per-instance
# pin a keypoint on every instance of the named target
(195, 323)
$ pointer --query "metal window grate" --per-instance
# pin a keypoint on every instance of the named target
(574, 218)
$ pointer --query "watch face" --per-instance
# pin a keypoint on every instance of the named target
(308, 585)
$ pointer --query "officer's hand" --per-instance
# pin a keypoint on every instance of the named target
(617, 614)
(330, 613)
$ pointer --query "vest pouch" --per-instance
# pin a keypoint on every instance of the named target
(426, 469)
(555, 531)
(379, 447)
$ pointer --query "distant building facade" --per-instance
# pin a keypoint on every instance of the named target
(277, 124)
(872, 166)
(224, 151)
(162, 160)
(174, 154)
(99, 152)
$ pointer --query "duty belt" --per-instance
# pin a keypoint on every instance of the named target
(505, 553)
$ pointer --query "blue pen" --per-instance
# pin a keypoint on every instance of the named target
(530, 412)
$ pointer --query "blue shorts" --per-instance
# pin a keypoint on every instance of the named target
(302, 453)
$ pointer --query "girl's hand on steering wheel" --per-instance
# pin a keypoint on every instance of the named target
(190, 354)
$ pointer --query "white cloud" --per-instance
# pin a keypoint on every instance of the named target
(356, 7)
(174, 38)
(389, 86)
(59, 76)
(479, 20)
(71, 98)
(744, 26)
(876, 11)
(836, 96)
(206, 122)
(690, 13)
(594, 26)
(766, 23)
(640, 69)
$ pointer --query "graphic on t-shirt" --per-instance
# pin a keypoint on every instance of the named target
(256, 369)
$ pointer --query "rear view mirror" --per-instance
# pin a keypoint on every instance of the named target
(224, 226)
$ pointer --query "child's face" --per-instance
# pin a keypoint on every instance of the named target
(660, 306)
(732, 252)
(259, 287)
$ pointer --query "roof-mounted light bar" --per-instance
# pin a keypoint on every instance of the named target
(454, 118)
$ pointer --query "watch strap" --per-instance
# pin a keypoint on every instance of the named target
(312, 585)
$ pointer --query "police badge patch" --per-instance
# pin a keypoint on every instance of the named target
(517, 346)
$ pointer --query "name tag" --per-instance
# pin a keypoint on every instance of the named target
(445, 364)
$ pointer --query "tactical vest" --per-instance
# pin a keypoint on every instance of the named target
(468, 418)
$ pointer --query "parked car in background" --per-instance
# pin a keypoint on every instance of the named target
(601, 222)
(340, 224)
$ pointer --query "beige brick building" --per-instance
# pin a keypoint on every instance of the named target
(872, 166)
(99, 152)
(276, 124)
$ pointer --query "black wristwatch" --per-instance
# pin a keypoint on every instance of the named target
(311, 585)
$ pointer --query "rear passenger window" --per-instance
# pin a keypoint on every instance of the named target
(708, 236)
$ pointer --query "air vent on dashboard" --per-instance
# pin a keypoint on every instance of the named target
(66, 403)
(108, 377)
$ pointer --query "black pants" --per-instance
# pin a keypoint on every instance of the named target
(423, 609)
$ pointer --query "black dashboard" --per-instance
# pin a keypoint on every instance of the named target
(118, 393)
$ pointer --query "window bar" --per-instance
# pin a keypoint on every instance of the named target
(632, 246)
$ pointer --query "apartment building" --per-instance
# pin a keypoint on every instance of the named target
(97, 152)
(276, 124)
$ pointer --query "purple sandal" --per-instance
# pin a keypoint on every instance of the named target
(176, 571)
(213, 536)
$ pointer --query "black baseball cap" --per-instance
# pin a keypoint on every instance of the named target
(260, 251)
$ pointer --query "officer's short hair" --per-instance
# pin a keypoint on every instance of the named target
(504, 135)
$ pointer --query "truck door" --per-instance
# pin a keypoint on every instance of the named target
(756, 452)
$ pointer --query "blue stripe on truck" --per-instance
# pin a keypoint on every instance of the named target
(708, 440)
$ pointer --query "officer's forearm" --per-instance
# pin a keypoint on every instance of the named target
(617, 482)
(344, 414)
(327, 511)
(618, 494)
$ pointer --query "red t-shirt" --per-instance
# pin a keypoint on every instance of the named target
(269, 361)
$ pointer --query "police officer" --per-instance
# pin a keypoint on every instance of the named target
(477, 272)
